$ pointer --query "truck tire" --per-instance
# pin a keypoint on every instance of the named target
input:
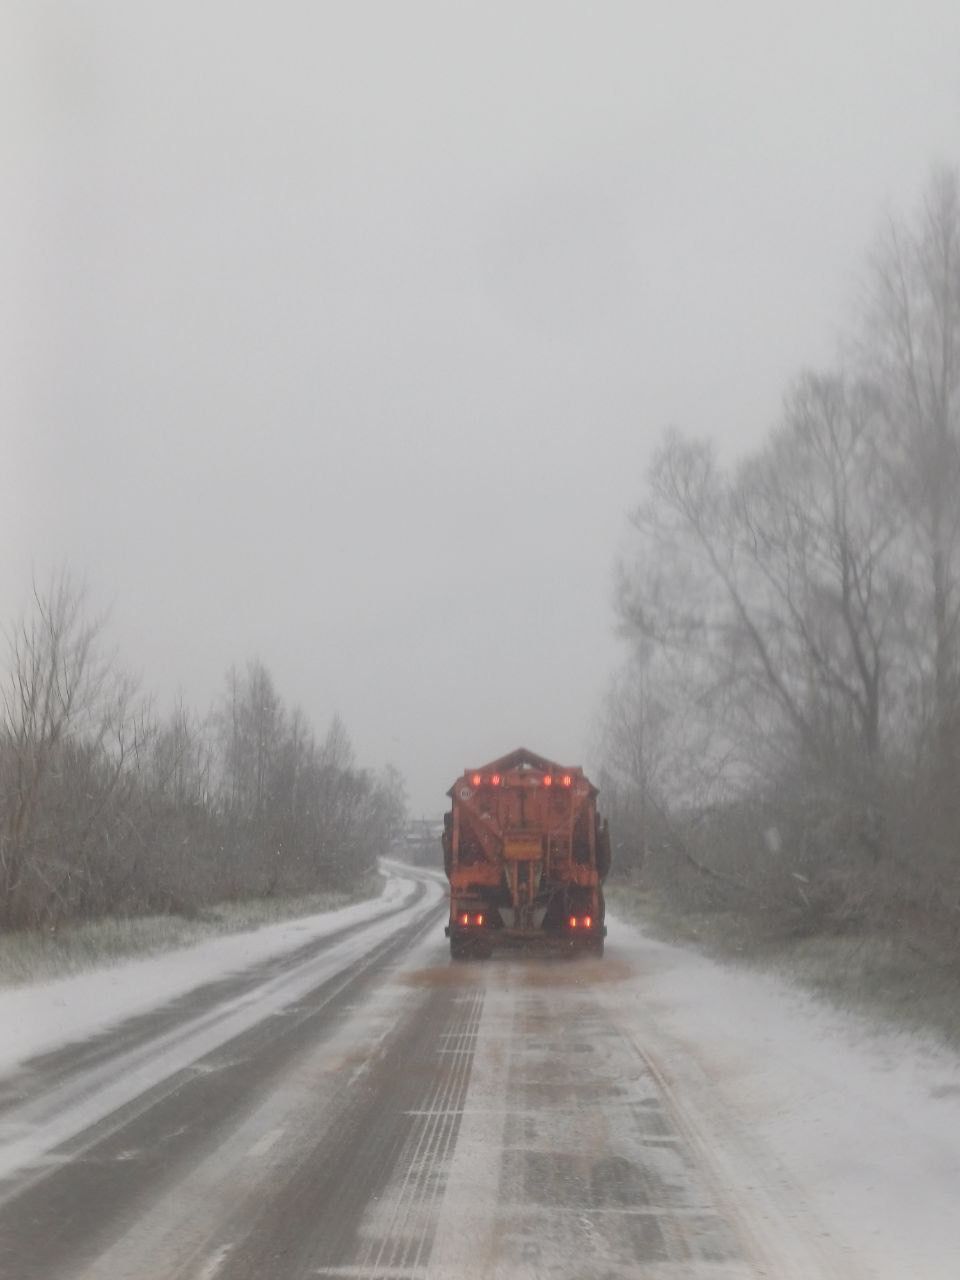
(459, 950)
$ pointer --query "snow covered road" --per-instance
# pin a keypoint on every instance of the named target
(347, 1103)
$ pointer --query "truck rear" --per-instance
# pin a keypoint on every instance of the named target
(526, 855)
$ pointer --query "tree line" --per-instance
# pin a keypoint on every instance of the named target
(786, 732)
(107, 808)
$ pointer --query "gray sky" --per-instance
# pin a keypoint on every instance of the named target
(340, 333)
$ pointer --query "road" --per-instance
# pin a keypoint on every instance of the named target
(363, 1108)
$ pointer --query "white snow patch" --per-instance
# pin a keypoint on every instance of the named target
(32, 1130)
(41, 1017)
(855, 1122)
(214, 1263)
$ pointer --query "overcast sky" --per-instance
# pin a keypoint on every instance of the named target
(340, 334)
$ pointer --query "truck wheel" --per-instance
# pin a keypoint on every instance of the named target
(459, 950)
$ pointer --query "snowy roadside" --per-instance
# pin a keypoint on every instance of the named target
(39, 1017)
(820, 1115)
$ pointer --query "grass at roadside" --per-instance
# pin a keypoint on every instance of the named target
(39, 956)
(898, 976)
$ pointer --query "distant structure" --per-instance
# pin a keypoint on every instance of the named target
(421, 842)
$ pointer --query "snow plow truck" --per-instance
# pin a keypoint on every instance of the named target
(526, 854)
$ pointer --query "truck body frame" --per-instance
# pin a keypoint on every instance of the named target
(526, 855)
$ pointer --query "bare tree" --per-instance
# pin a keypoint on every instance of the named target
(777, 582)
(104, 810)
(251, 721)
(812, 518)
(808, 600)
(70, 736)
(912, 350)
(631, 749)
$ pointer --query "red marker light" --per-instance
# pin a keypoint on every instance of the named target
(478, 919)
(573, 922)
(547, 780)
(587, 921)
(567, 780)
(495, 779)
(464, 919)
(476, 779)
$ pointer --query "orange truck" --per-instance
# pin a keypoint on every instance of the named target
(526, 854)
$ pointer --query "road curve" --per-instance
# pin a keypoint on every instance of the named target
(363, 1108)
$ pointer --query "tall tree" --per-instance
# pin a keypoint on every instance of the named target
(912, 351)
(775, 584)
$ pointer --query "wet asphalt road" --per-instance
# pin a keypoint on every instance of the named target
(400, 1118)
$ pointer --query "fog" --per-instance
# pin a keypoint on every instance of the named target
(341, 334)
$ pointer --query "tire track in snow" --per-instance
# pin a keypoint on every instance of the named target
(568, 1161)
(64, 1215)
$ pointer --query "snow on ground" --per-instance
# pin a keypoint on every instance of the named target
(839, 1120)
(81, 1100)
(820, 1124)
(42, 1016)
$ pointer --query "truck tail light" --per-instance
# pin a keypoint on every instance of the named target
(464, 918)
(478, 919)
(587, 921)
(476, 779)
(567, 780)
(495, 779)
(547, 780)
(573, 922)
(580, 922)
